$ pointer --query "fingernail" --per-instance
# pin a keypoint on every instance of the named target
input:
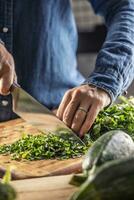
(73, 126)
(80, 134)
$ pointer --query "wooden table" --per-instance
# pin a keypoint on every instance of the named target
(47, 188)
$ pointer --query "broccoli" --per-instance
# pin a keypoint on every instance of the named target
(7, 192)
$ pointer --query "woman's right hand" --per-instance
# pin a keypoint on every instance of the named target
(7, 70)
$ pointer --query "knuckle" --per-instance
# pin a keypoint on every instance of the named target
(6, 64)
(90, 95)
(68, 93)
(77, 119)
(99, 102)
(77, 92)
(10, 58)
(8, 68)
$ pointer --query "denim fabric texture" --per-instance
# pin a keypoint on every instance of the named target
(42, 37)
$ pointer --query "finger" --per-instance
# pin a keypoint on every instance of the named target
(15, 78)
(90, 118)
(2, 62)
(66, 99)
(7, 79)
(54, 111)
(5, 84)
(80, 116)
(70, 110)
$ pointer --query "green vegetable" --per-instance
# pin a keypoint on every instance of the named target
(118, 116)
(7, 192)
(112, 145)
(60, 146)
(7, 177)
(112, 181)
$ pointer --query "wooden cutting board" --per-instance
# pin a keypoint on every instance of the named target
(48, 188)
(12, 131)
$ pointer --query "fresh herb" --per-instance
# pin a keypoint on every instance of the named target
(7, 177)
(118, 116)
(43, 146)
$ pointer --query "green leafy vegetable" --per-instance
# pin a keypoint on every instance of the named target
(118, 116)
(45, 146)
(7, 192)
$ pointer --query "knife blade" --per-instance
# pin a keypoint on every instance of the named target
(29, 109)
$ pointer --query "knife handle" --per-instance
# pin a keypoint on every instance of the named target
(13, 86)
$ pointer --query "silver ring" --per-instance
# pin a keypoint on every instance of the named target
(82, 109)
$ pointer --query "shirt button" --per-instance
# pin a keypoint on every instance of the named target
(4, 103)
(5, 29)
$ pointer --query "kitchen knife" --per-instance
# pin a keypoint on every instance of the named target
(29, 109)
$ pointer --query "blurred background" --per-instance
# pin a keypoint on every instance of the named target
(92, 32)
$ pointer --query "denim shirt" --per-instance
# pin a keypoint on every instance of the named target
(42, 37)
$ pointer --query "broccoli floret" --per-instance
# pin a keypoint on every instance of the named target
(7, 192)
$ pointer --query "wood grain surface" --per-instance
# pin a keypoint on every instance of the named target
(48, 188)
(12, 131)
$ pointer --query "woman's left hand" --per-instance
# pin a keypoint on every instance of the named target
(80, 107)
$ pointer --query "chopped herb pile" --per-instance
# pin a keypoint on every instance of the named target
(44, 147)
(118, 116)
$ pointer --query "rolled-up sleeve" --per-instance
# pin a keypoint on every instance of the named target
(114, 69)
